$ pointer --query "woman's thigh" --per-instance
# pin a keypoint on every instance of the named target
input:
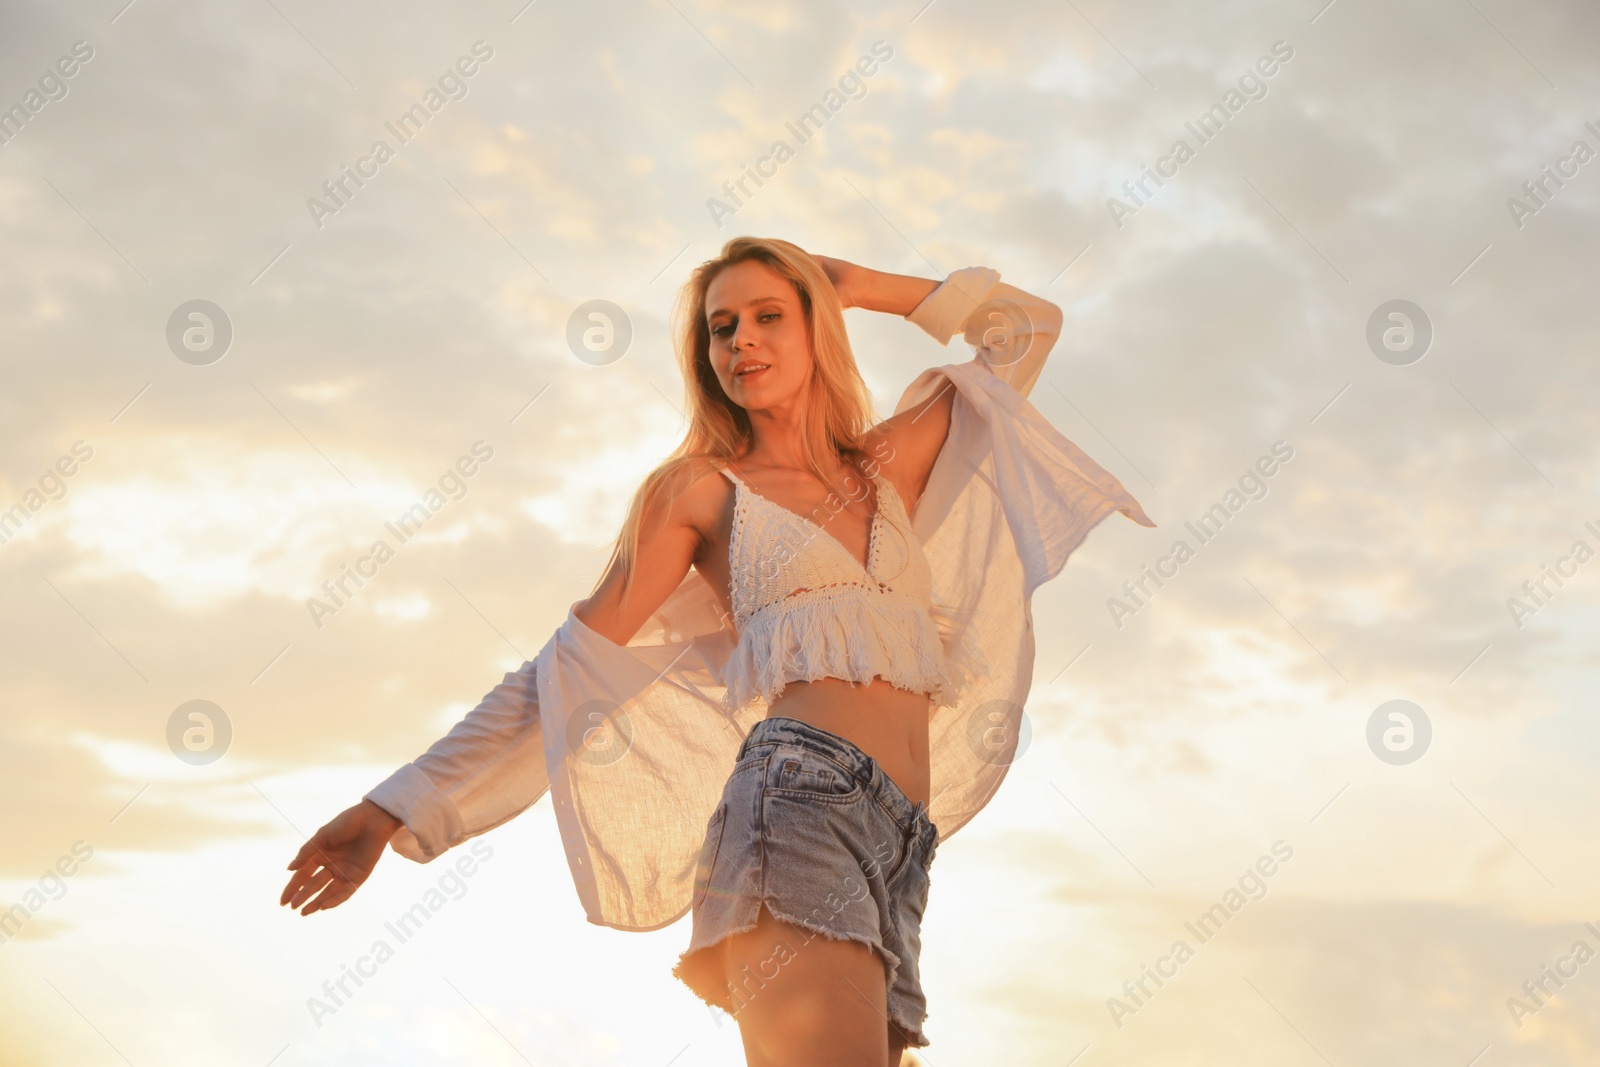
(806, 998)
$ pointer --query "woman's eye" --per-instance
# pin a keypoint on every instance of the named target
(727, 327)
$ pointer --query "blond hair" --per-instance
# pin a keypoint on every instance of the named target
(838, 405)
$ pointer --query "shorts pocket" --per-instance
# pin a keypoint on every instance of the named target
(806, 775)
(708, 853)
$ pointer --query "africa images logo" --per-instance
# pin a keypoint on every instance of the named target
(452, 86)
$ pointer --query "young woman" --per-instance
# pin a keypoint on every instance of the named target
(781, 672)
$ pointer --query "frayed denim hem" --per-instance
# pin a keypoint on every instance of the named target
(695, 968)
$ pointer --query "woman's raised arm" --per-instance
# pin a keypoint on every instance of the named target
(1011, 331)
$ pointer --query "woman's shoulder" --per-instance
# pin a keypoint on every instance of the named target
(697, 490)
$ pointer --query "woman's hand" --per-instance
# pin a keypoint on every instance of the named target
(337, 858)
(846, 277)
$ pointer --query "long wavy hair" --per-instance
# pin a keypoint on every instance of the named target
(838, 407)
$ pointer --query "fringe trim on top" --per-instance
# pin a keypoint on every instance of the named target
(854, 632)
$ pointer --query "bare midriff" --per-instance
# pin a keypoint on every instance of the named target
(887, 723)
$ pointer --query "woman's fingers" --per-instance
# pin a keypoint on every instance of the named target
(300, 878)
(310, 887)
(320, 873)
(335, 894)
(296, 880)
(312, 861)
(305, 851)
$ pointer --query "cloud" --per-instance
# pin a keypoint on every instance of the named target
(1228, 313)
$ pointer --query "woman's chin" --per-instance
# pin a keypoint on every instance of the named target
(753, 395)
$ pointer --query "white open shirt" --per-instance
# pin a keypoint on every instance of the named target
(631, 741)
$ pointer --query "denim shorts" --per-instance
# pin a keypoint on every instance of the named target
(810, 825)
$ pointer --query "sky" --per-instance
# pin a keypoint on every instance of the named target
(1367, 268)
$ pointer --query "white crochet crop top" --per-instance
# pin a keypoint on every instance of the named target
(805, 608)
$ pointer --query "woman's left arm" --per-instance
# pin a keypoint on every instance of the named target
(875, 290)
(1011, 332)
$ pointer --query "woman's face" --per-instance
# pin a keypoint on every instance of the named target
(754, 317)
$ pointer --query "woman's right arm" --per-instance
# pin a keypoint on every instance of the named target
(669, 539)
(491, 767)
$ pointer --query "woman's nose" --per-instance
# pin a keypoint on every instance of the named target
(743, 341)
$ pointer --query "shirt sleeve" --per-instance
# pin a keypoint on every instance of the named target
(1011, 330)
(488, 769)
